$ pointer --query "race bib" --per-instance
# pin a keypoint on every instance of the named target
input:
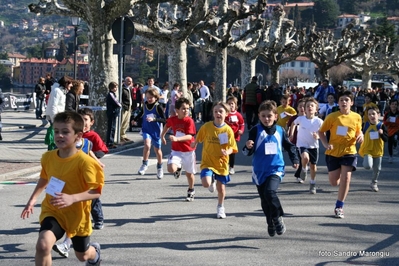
(233, 118)
(341, 131)
(223, 138)
(270, 148)
(374, 135)
(392, 119)
(179, 134)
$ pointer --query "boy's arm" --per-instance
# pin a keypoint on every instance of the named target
(291, 148)
(323, 139)
(41, 185)
(163, 133)
(384, 135)
(249, 149)
(161, 118)
(63, 200)
(92, 155)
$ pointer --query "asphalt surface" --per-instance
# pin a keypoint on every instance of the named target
(147, 221)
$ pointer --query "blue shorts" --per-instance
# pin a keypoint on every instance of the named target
(155, 141)
(334, 163)
(224, 179)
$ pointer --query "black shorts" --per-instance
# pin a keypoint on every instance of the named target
(334, 163)
(313, 154)
(80, 243)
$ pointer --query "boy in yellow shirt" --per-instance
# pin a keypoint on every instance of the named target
(367, 104)
(218, 140)
(285, 111)
(372, 149)
(71, 179)
(345, 129)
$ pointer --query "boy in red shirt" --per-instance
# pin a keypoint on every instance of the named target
(99, 147)
(182, 154)
(236, 122)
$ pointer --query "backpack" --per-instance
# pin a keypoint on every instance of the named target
(367, 124)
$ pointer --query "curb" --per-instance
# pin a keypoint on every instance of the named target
(23, 173)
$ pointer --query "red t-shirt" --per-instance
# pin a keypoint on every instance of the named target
(185, 126)
(98, 143)
(236, 122)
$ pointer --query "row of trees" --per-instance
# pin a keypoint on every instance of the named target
(174, 25)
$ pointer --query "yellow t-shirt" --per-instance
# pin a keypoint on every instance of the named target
(212, 137)
(373, 147)
(365, 114)
(343, 132)
(282, 118)
(80, 173)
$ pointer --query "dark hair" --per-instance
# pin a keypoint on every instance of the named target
(70, 117)
(375, 108)
(64, 80)
(87, 111)
(332, 94)
(347, 94)
(268, 105)
(112, 85)
(179, 102)
(368, 95)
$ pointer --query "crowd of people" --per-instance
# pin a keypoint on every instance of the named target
(292, 120)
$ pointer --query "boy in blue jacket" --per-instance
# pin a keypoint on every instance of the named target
(266, 142)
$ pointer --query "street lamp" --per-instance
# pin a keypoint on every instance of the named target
(75, 22)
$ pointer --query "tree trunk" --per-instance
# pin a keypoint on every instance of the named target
(103, 70)
(247, 69)
(274, 72)
(177, 62)
(366, 78)
(220, 75)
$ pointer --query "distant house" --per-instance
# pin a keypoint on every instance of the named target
(301, 66)
(32, 69)
(24, 25)
(15, 58)
(358, 20)
(51, 51)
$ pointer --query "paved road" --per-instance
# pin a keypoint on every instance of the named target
(149, 223)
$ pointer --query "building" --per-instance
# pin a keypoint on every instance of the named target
(15, 58)
(32, 69)
(358, 20)
(302, 69)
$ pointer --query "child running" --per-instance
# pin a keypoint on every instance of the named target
(372, 149)
(308, 141)
(265, 142)
(182, 154)
(236, 122)
(218, 140)
(153, 118)
(285, 111)
(293, 133)
(345, 130)
(391, 121)
(71, 179)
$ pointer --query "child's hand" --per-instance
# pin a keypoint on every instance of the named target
(359, 138)
(163, 140)
(315, 135)
(101, 164)
(150, 119)
(28, 210)
(295, 166)
(240, 132)
(134, 123)
(173, 138)
(380, 131)
(193, 145)
(329, 147)
(249, 144)
(62, 200)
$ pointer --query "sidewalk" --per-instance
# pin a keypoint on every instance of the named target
(23, 144)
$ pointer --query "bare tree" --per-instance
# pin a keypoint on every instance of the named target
(375, 58)
(326, 51)
(339, 73)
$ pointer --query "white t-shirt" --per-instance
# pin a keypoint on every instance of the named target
(204, 90)
(326, 109)
(305, 129)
